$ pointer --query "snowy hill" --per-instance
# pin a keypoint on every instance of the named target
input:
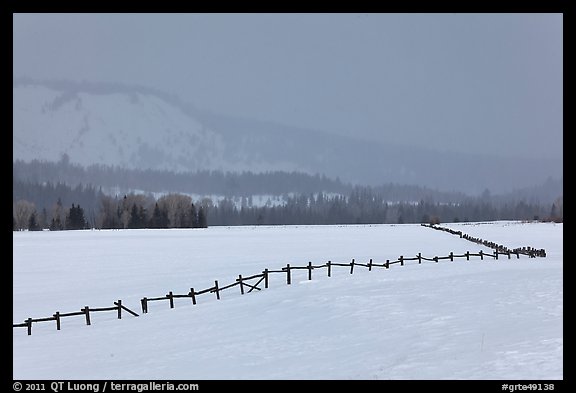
(142, 128)
(132, 131)
(449, 320)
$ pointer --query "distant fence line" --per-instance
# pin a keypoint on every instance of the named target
(57, 316)
(530, 251)
(246, 287)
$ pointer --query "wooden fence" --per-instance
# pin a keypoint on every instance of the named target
(530, 251)
(245, 287)
(248, 284)
(57, 316)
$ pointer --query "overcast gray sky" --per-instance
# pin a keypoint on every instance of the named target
(449, 81)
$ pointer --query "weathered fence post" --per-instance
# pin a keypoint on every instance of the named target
(265, 272)
(87, 312)
(170, 297)
(57, 317)
(467, 255)
(144, 302)
(352, 266)
(481, 255)
(241, 284)
(329, 264)
(451, 256)
(119, 303)
(370, 265)
(216, 289)
(309, 271)
(508, 253)
(29, 326)
(419, 258)
(496, 254)
(288, 278)
(387, 264)
(193, 296)
(435, 259)
(401, 260)
(517, 255)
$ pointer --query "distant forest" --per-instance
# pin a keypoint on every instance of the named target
(39, 203)
(114, 180)
(158, 181)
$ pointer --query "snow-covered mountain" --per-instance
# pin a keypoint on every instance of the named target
(128, 130)
(135, 127)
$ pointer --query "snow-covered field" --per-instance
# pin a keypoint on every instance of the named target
(449, 320)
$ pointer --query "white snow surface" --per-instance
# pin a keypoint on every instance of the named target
(448, 320)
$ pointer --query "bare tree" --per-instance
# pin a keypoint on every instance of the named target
(126, 204)
(108, 216)
(22, 210)
(177, 207)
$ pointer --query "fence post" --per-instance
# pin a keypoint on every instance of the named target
(517, 255)
(401, 260)
(508, 252)
(87, 312)
(170, 297)
(265, 278)
(309, 271)
(370, 265)
(241, 285)
(144, 302)
(352, 266)
(119, 309)
(467, 255)
(436, 259)
(496, 254)
(29, 326)
(57, 317)
(288, 278)
(217, 291)
(192, 295)
(329, 264)
(387, 264)
(451, 256)
(481, 255)
(419, 258)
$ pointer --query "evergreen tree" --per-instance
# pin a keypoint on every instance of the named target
(159, 218)
(75, 218)
(193, 216)
(202, 218)
(56, 224)
(32, 223)
(136, 219)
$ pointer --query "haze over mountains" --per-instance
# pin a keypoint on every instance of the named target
(141, 128)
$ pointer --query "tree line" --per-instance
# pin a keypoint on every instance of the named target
(205, 182)
(245, 184)
(133, 211)
(363, 205)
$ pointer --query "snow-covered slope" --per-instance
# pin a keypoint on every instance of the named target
(142, 128)
(449, 320)
(133, 131)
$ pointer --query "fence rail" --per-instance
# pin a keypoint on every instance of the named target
(57, 316)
